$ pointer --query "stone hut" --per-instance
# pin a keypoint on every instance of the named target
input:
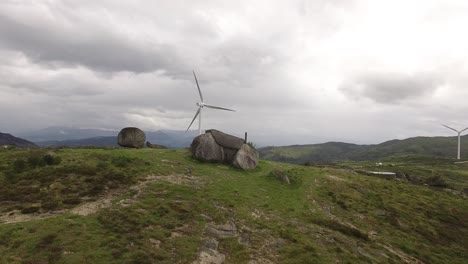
(216, 146)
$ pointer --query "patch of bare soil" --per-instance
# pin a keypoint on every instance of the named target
(336, 178)
(403, 256)
(16, 216)
(176, 179)
(104, 201)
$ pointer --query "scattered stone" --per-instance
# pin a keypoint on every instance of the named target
(245, 229)
(260, 261)
(361, 189)
(380, 213)
(208, 252)
(244, 239)
(209, 256)
(56, 187)
(155, 243)
(156, 146)
(221, 231)
(360, 216)
(372, 234)
(256, 214)
(281, 176)
(209, 243)
(175, 235)
(206, 217)
(131, 137)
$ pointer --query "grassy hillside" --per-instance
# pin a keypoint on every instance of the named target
(336, 151)
(161, 206)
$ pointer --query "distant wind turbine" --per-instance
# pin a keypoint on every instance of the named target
(459, 133)
(200, 105)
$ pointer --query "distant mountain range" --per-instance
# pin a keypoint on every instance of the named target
(76, 137)
(8, 139)
(337, 151)
(299, 154)
(110, 141)
(66, 133)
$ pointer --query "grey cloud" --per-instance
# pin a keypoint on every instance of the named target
(93, 46)
(390, 88)
(116, 63)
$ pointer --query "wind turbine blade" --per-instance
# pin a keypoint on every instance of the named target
(464, 129)
(217, 107)
(195, 117)
(198, 86)
(450, 128)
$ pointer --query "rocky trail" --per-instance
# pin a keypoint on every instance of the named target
(103, 201)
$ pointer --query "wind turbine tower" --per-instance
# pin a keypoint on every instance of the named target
(459, 133)
(201, 105)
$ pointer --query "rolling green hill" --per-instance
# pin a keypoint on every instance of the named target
(162, 206)
(337, 151)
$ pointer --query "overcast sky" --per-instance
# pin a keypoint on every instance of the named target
(297, 72)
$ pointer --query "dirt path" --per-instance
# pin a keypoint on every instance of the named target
(104, 201)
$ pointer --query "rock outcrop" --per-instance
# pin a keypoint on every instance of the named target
(131, 137)
(216, 146)
(281, 176)
(156, 146)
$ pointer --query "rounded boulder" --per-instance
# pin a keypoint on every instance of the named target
(246, 158)
(131, 137)
(205, 148)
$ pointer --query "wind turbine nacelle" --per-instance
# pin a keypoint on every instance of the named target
(200, 104)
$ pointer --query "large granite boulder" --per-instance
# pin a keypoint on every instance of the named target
(246, 158)
(216, 146)
(225, 140)
(204, 148)
(131, 137)
(230, 144)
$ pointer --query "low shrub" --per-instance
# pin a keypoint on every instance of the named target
(19, 165)
(436, 181)
(51, 159)
(35, 159)
(30, 209)
(10, 177)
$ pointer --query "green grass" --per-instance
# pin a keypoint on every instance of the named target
(435, 147)
(326, 215)
(437, 172)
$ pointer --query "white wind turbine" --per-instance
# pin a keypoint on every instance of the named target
(459, 133)
(200, 105)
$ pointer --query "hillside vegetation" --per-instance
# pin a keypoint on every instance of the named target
(161, 206)
(445, 147)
